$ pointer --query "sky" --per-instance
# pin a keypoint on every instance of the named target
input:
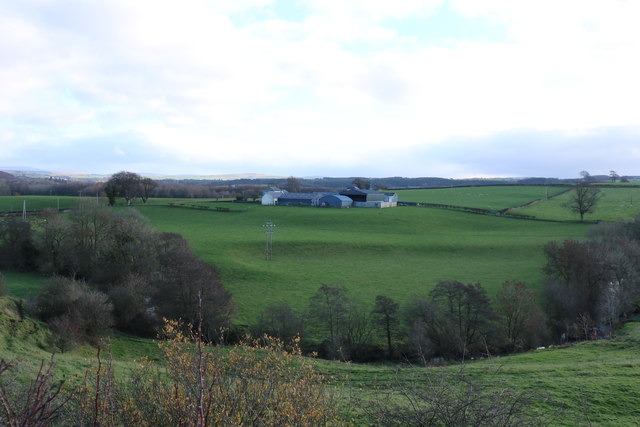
(458, 88)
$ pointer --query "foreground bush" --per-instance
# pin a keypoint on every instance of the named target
(258, 382)
(453, 399)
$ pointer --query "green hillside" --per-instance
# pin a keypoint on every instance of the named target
(34, 203)
(615, 204)
(490, 197)
(397, 252)
(591, 382)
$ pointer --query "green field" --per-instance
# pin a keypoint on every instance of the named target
(591, 382)
(588, 383)
(491, 198)
(615, 204)
(36, 203)
(22, 285)
(398, 252)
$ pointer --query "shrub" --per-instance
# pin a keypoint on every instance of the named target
(452, 399)
(258, 382)
(75, 308)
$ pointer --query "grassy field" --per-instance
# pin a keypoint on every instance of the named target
(492, 198)
(21, 285)
(615, 204)
(36, 203)
(397, 252)
(591, 382)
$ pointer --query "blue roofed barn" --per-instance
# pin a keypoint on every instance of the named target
(298, 199)
(335, 201)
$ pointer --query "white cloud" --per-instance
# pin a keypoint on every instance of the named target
(192, 81)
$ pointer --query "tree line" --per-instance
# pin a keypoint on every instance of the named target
(591, 287)
(111, 269)
(452, 321)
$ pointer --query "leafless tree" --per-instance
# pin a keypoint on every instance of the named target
(386, 317)
(147, 185)
(523, 321)
(614, 176)
(125, 184)
(584, 199)
(292, 185)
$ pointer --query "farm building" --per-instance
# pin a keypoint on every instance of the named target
(358, 195)
(298, 199)
(391, 198)
(270, 198)
(353, 196)
(370, 198)
(335, 201)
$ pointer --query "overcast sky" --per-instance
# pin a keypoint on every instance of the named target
(458, 88)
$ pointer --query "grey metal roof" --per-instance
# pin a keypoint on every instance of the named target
(356, 190)
(298, 196)
(338, 196)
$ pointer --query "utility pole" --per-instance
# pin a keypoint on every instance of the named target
(269, 228)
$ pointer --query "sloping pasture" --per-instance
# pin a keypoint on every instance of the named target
(615, 204)
(490, 197)
(588, 383)
(397, 252)
(36, 203)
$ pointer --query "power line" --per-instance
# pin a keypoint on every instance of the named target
(269, 228)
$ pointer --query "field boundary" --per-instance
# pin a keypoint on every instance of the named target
(503, 212)
(205, 208)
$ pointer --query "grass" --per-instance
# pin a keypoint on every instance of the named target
(591, 382)
(22, 285)
(491, 198)
(397, 252)
(594, 382)
(615, 204)
(36, 203)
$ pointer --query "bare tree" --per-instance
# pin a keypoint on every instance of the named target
(147, 185)
(586, 176)
(584, 199)
(124, 184)
(614, 176)
(465, 311)
(386, 317)
(521, 318)
(292, 185)
(327, 312)
(279, 321)
(362, 183)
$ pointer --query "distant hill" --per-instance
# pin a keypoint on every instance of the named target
(6, 176)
